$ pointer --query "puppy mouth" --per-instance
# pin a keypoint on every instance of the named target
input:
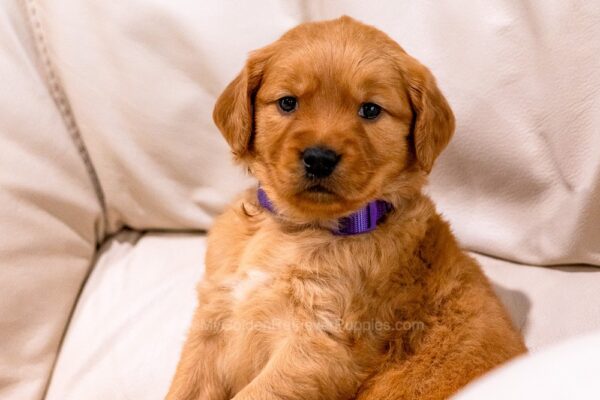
(318, 192)
(318, 188)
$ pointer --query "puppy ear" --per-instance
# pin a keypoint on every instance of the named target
(433, 124)
(234, 110)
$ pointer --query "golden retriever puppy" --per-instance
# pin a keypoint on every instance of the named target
(336, 278)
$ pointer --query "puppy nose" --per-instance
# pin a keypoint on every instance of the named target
(319, 162)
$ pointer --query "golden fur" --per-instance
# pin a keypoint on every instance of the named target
(290, 311)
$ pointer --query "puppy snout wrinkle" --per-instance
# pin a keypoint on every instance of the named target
(319, 162)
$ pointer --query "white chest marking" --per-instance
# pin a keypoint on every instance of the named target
(254, 279)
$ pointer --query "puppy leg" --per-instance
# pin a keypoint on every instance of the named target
(197, 377)
(447, 361)
(308, 368)
(402, 383)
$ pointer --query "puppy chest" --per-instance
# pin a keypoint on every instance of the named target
(242, 287)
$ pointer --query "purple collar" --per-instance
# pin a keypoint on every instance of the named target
(362, 221)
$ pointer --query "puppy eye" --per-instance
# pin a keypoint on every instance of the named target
(369, 110)
(287, 104)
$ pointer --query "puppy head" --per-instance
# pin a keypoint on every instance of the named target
(333, 115)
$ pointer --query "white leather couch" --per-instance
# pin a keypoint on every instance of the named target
(111, 172)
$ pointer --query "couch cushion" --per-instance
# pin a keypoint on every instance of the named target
(548, 304)
(132, 318)
(143, 78)
(49, 213)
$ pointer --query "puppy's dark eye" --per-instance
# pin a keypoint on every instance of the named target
(287, 104)
(369, 110)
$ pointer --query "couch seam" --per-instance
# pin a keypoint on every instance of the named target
(61, 101)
